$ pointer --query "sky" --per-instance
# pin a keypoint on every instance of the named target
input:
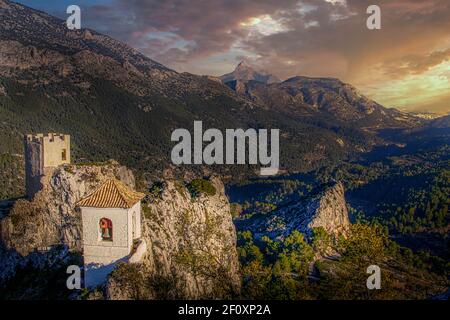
(405, 64)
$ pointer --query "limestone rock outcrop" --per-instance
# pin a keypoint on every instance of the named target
(191, 245)
(329, 211)
(326, 209)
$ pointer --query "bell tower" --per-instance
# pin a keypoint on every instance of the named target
(111, 219)
(43, 153)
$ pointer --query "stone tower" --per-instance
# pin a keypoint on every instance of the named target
(42, 154)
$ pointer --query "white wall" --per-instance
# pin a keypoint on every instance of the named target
(136, 212)
(101, 256)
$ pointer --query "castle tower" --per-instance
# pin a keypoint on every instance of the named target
(42, 154)
(111, 219)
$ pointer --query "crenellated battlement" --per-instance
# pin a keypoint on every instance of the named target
(43, 151)
(47, 138)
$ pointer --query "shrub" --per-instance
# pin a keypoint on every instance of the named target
(156, 190)
(129, 280)
(147, 211)
(236, 210)
(201, 186)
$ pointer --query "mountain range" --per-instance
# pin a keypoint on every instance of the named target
(118, 103)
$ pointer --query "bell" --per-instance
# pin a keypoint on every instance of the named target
(106, 233)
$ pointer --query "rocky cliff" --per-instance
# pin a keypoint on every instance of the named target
(191, 240)
(326, 209)
(50, 218)
(191, 246)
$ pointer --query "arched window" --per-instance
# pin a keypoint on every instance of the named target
(106, 230)
(133, 223)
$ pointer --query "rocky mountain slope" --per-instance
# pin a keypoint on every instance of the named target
(323, 97)
(441, 122)
(326, 209)
(99, 90)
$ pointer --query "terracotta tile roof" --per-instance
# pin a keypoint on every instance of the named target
(112, 194)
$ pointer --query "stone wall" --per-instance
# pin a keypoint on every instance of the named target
(34, 166)
(140, 252)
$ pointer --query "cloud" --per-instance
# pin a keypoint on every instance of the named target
(279, 30)
(209, 27)
(415, 64)
(286, 37)
(429, 91)
(350, 46)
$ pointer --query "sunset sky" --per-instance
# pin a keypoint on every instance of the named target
(406, 64)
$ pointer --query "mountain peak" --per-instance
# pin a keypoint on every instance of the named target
(243, 65)
(245, 72)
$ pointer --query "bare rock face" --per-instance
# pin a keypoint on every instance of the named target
(15, 55)
(87, 35)
(327, 209)
(191, 246)
(50, 218)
